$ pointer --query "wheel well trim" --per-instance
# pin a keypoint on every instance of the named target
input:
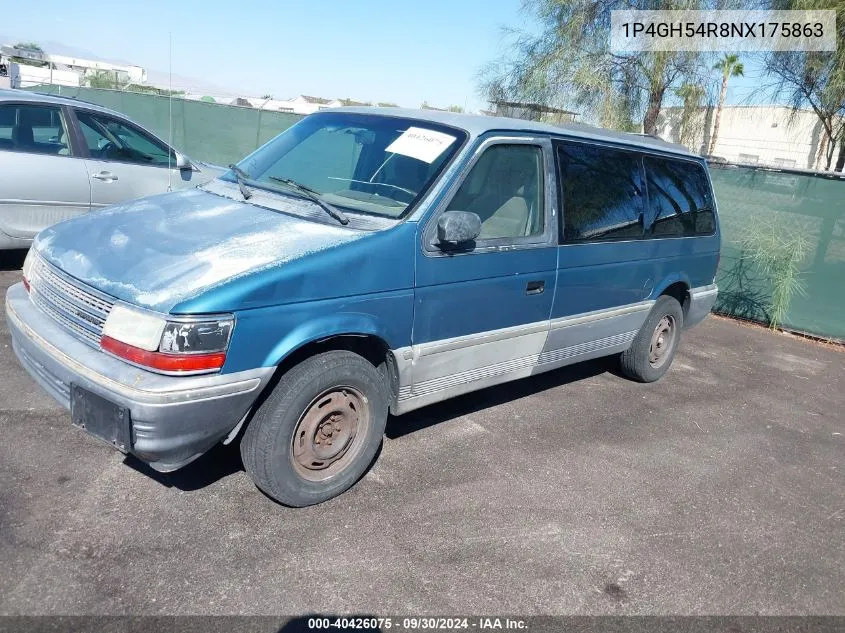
(671, 280)
(320, 330)
(676, 279)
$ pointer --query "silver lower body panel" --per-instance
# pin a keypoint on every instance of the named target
(432, 372)
(701, 303)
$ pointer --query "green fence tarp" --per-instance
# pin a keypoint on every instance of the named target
(794, 203)
(791, 204)
(210, 132)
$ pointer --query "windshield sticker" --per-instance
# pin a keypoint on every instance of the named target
(422, 144)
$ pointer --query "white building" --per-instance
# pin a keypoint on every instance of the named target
(63, 70)
(759, 135)
(26, 76)
(303, 104)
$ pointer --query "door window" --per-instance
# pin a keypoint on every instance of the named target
(680, 202)
(505, 189)
(35, 129)
(602, 193)
(108, 138)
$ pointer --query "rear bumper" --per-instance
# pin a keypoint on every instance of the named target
(174, 418)
(701, 302)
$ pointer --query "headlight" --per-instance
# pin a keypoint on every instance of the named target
(196, 337)
(171, 345)
(133, 327)
(27, 268)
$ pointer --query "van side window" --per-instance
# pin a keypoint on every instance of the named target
(505, 188)
(602, 193)
(680, 201)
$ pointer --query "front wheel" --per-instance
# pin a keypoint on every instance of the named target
(655, 345)
(318, 431)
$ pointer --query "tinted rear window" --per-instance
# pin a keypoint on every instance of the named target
(602, 193)
(680, 200)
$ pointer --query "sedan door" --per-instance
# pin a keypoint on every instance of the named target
(41, 179)
(126, 163)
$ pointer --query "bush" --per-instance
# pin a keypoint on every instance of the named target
(778, 255)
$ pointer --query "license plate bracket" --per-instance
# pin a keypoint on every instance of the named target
(101, 418)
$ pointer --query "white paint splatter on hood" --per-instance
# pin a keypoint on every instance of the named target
(159, 251)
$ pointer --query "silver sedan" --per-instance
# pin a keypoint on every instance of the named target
(60, 158)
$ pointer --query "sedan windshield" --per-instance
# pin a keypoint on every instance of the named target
(362, 163)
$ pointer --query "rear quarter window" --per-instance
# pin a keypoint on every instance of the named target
(34, 129)
(680, 201)
(603, 193)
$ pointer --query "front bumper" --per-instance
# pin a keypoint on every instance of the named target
(175, 419)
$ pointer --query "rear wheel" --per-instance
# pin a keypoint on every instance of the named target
(654, 347)
(318, 431)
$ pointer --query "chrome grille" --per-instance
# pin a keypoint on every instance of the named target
(77, 308)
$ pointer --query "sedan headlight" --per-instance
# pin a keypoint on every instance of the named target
(27, 268)
(167, 344)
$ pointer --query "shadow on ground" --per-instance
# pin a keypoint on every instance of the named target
(218, 463)
(223, 461)
(12, 260)
(494, 396)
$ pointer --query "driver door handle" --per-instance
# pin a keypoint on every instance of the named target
(105, 176)
(535, 287)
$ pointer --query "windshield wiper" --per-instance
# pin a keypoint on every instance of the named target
(314, 196)
(241, 176)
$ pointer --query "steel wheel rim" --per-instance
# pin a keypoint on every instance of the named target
(329, 434)
(662, 341)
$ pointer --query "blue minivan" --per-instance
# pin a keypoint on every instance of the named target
(364, 262)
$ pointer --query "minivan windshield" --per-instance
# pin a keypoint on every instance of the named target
(364, 163)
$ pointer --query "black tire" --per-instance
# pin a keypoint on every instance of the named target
(324, 400)
(651, 354)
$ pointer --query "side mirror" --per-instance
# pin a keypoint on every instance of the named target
(183, 162)
(457, 228)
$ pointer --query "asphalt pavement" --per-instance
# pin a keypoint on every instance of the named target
(717, 490)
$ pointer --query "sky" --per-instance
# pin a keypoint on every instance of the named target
(367, 50)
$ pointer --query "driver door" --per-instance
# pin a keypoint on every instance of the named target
(125, 163)
(482, 313)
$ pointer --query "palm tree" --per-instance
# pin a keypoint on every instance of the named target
(692, 94)
(730, 67)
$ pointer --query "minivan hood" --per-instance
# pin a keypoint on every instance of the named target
(159, 251)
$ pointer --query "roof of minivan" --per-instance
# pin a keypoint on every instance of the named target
(476, 125)
(37, 97)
